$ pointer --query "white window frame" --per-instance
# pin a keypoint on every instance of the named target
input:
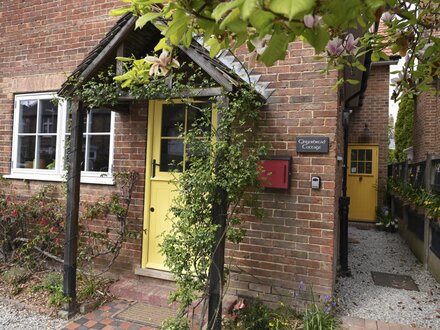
(58, 174)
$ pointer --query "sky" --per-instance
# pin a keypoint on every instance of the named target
(394, 106)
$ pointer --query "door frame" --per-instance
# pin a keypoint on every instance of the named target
(375, 173)
(152, 105)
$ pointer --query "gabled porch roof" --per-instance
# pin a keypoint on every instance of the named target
(124, 40)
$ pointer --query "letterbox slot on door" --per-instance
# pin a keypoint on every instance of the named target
(276, 172)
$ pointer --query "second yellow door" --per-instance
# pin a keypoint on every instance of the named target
(362, 176)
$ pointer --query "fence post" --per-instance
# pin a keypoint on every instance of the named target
(428, 176)
(391, 175)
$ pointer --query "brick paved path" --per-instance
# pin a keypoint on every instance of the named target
(105, 318)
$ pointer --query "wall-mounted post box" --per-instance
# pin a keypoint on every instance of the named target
(276, 172)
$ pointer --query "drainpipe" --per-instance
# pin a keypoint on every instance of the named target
(344, 200)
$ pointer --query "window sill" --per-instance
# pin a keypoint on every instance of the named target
(85, 178)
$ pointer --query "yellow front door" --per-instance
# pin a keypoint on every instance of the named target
(362, 176)
(167, 124)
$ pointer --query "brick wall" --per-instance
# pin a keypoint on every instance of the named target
(374, 113)
(297, 238)
(426, 133)
(42, 42)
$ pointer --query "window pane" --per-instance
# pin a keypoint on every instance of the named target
(98, 153)
(353, 154)
(28, 116)
(26, 151)
(49, 115)
(369, 155)
(368, 168)
(353, 168)
(361, 155)
(196, 115)
(173, 117)
(46, 152)
(171, 155)
(361, 167)
(99, 120)
(67, 153)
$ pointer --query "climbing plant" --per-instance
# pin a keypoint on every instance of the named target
(404, 127)
(220, 159)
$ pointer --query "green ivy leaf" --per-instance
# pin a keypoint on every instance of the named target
(352, 81)
(144, 19)
(291, 8)
(276, 48)
(224, 7)
(177, 27)
(214, 46)
(162, 44)
(317, 37)
(247, 8)
(121, 11)
(234, 15)
(261, 20)
(375, 57)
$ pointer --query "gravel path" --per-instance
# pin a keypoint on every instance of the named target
(371, 250)
(12, 317)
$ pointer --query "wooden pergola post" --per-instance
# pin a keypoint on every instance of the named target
(72, 207)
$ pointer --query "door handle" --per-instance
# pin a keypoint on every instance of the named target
(154, 168)
(152, 209)
(360, 179)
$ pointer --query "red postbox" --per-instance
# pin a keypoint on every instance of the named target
(276, 172)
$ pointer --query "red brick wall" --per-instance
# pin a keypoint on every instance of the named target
(374, 113)
(297, 238)
(426, 133)
(42, 42)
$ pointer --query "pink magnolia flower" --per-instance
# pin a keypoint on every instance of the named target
(387, 17)
(351, 44)
(309, 21)
(335, 47)
(312, 21)
(161, 65)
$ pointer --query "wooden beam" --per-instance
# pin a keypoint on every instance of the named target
(72, 207)
(208, 67)
(128, 27)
